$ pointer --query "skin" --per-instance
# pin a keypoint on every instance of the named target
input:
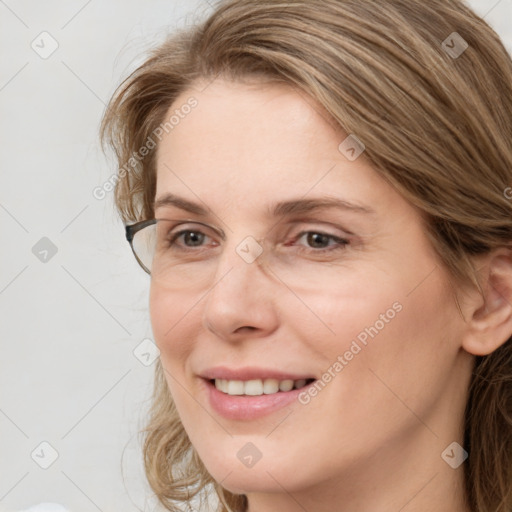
(372, 439)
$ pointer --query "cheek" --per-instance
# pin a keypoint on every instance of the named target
(356, 310)
(173, 329)
(382, 338)
(170, 314)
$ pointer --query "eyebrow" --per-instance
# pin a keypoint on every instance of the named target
(280, 209)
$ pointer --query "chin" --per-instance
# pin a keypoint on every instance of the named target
(269, 475)
(251, 481)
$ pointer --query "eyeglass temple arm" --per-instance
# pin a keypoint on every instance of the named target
(131, 229)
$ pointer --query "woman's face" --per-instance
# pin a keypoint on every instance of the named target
(350, 295)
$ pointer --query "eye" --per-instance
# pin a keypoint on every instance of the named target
(195, 239)
(189, 238)
(319, 241)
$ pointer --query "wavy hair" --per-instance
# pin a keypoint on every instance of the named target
(436, 120)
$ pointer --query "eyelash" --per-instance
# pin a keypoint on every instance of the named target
(341, 242)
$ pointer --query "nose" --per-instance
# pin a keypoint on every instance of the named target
(242, 299)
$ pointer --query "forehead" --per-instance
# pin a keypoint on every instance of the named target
(246, 120)
(256, 142)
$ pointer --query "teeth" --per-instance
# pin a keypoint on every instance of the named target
(286, 385)
(235, 387)
(300, 383)
(270, 386)
(257, 387)
(253, 387)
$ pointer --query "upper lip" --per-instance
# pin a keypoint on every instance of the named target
(250, 373)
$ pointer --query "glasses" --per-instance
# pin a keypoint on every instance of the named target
(184, 254)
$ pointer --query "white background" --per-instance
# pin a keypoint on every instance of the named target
(69, 326)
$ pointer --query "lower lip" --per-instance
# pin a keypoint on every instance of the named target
(243, 407)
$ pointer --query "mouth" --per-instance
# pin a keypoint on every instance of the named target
(251, 392)
(258, 387)
(246, 400)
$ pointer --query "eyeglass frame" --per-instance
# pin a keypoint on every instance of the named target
(132, 229)
(130, 232)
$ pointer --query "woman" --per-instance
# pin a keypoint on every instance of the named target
(331, 266)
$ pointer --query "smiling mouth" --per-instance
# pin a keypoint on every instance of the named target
(258, 387)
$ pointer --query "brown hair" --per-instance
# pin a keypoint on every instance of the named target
(436, 122)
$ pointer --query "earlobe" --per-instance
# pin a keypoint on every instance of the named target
(490, 324)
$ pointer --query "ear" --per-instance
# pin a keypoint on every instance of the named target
(490, 322)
